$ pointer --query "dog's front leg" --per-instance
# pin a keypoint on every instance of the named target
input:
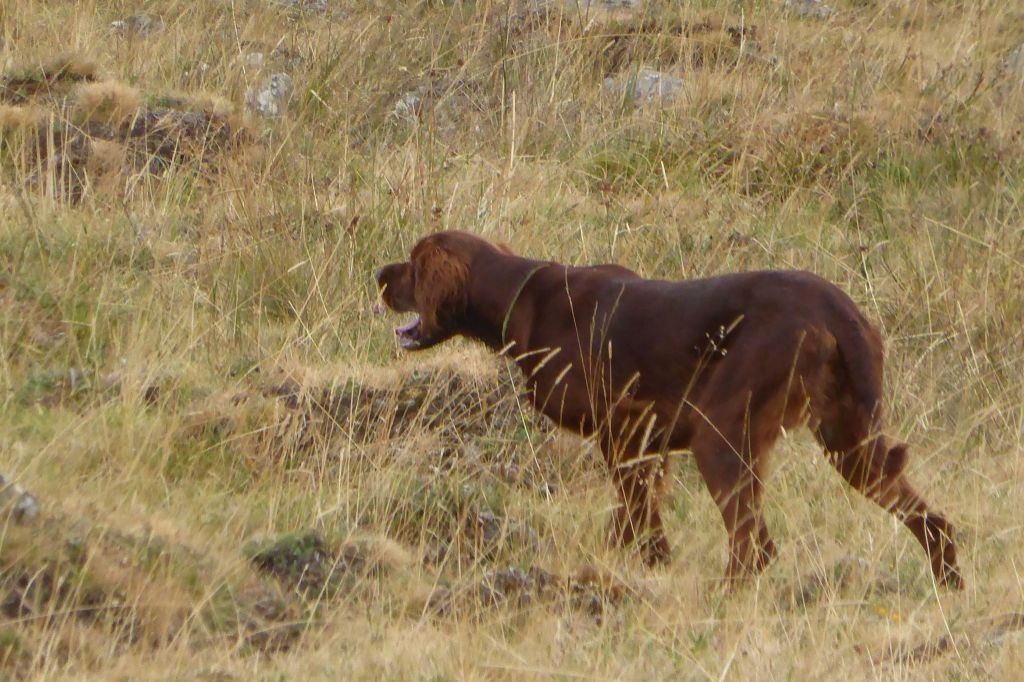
(637, 520)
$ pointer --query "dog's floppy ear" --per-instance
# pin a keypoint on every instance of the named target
(440, 279)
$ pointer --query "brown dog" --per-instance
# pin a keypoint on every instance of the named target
(715, 366)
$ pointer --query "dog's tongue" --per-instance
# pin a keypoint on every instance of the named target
(406, 329)
(408, 334)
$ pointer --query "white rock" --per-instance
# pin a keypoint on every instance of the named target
(809, 9)
(255, 60)
(408, 106)
(307, 6)
(23, 505)
(1015, 61)
(645, 86)
(271, 97)
(604, 4)
(138, 25)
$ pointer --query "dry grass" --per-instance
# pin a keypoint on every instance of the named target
(191, 376)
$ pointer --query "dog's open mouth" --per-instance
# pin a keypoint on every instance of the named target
(409, 334)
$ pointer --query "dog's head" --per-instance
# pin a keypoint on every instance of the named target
(433, 283)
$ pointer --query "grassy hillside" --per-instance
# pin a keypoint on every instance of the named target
(240, 476)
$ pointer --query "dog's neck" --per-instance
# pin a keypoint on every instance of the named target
(497, 283)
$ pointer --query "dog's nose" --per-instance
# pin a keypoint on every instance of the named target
(378, 274)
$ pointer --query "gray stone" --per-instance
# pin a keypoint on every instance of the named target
(74, 379)
(257, 55)
(1015, 61)
(428, 97)
(527, 15)
(844, 573)
(492, 531)
(287, 58)
(511, 579)
(854, 569)
(255, 60)
(271, 97)
(489, 526)
(138, 25)
(440, 601)
(409, 105)
(750, 50)
(306, 6)
(515, 586)
(809, 9)
(200, 70)
(645, 86)
(1001, 638)
(608, 5)
(23, 505)
(1010, 76)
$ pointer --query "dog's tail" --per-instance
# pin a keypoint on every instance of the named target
(861, 364)
(860, 372)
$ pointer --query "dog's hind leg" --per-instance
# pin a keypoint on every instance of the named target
(731, 451)
(874, 466)
(736, 420)
(846, 417)
(731, 448)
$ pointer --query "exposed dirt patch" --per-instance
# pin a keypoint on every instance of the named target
(298, 560)
(844, 574)
(52, 78)
(435, 400)
(306, 564)
(467, 424)
(51, 575)
(66, 578)
(622, 40)
(312, 573)
(270, 623)
(590, 590)
(458, 524)
(67, 132)
(991, 632)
